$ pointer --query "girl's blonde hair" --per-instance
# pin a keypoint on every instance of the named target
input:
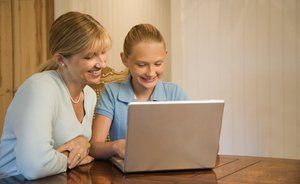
(75, 32)
(141, 33)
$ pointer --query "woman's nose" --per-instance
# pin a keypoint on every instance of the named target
(101, 61)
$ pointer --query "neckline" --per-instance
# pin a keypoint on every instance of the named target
(70, 96)
(70, 102)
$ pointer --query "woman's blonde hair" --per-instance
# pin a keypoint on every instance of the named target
(75, 32)
(141, 33)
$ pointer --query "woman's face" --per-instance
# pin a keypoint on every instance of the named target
(146, 64)
(85, 67)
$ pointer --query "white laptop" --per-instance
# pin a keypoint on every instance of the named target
(177, 135)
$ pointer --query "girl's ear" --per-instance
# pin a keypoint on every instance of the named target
(124, 59)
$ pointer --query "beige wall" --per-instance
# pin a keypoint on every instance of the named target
(246, 52)
(176, 43)
(118, 16)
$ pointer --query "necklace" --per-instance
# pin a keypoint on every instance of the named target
(75, 101)
(71, 98)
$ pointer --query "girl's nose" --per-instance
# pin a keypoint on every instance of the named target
(151, 71)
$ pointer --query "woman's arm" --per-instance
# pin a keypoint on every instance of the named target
(101, 149)
(31, 114)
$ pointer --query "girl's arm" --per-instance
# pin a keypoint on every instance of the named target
(99, 147)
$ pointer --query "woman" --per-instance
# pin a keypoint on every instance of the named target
(48, 124)
(144, 53)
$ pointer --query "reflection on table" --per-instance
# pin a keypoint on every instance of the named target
(229, 169)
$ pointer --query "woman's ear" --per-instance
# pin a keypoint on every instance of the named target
(59, 59)
(124, 59)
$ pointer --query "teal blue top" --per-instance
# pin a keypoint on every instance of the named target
(114, 99)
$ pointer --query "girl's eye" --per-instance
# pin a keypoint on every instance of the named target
(159, 63)
(141, 64)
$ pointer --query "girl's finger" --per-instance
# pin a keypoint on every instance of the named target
(73, 159)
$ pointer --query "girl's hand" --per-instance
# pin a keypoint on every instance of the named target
(119, 147)
(77, 148)
(88, 159)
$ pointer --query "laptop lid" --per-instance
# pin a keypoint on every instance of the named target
(172, 135)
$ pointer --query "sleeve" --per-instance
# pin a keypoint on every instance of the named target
(179, 94)
(31, 114)
(105, 105)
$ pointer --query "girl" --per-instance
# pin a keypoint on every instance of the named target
(144, 53)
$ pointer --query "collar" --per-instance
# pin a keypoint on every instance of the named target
(159, 92)
(126, 93)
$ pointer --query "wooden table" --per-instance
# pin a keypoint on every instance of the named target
(229, 169)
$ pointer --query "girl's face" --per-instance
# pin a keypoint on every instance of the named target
(146, 64)
(85, 67)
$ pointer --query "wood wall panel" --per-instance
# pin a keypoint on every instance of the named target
(298, 78)
(30, 37)
(24, 26)
(6, 58)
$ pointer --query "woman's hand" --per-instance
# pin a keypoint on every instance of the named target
(78, 150)
(86, 160)
(119, 147)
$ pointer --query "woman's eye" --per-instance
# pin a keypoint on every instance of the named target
(89, 56)
(158, 64)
